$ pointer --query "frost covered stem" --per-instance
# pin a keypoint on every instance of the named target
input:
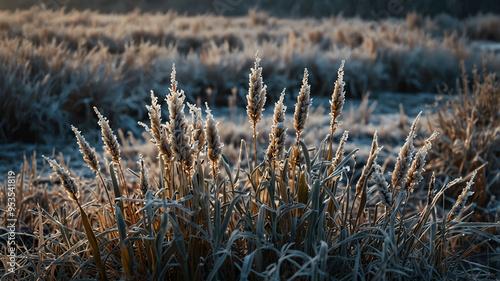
(256, 99)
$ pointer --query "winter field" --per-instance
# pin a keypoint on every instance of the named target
(161, 146)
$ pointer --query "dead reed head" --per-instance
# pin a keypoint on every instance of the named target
(368, 167)
(277, 137)
(89, 154)
(405, 157)
(158, 131)
(198, 137)
(338, 97)
(417, 167)
(256, 93)
(144, 176)
(110, 142)
(302, 106)
(68, 182)
(178, 126)
(214, 145)
(462, 199)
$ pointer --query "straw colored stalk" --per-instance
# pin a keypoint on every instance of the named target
(178, 126)
(214, 145)
(256, 99)
(405, 157)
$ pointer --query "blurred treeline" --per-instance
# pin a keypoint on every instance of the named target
(368, 9)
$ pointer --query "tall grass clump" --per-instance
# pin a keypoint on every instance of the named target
(299, 214)
(469, 125)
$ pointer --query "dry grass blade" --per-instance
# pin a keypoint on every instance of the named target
(71, 188)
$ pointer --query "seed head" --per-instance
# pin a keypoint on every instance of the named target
(256, 93)
(302, 106)
(338, 96)
(67, 181)
(89, 154)
(110, 143)
(214, 145)
(144, 176)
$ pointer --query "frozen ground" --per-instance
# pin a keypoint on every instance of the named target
(385, 118)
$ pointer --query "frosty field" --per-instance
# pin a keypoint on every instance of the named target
(379, 161)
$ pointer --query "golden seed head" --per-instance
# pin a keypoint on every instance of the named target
(462, 199)
(89, 154)
(144, 176)
(198, 132)
(67, 181)
(178, 126)
(302, 106)
(256, 93)
(405, 157)
(214, 145)
(338, 96)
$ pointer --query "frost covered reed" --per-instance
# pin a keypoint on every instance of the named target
(89, 154)
(338, 98)
(256, 99)
(302, 106)
(110, 142)
(405, 157)
(158, 131)
(368, 167)
(277, 137)
(214, 145)
(198, 137)
(382, 187)
(68, 182)
(144, 176)
(417, 167)
(461, 200)
(178, 126)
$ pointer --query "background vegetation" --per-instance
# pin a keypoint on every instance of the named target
(68, 61)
